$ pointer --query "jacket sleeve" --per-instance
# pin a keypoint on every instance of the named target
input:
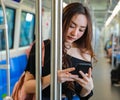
(87, 97)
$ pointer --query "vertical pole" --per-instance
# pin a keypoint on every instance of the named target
(38, 37)
(56, 48)
(60, 7)
(113, 46)
(54, 51)
(7, 48)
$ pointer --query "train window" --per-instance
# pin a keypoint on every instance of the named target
(10, 13)
(27, 28)
(16, 0)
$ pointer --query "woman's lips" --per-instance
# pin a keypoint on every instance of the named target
(70, 38)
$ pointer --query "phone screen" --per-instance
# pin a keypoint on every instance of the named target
(84, 67)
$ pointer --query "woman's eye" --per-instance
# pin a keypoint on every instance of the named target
(72, 26)
(81, 30)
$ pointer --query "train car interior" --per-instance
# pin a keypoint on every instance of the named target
(17, 33)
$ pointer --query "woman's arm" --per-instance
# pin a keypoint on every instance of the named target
(45, 81)
(63, 76)
(30, 82)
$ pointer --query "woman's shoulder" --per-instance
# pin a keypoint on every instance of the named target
(87, 56)
(76, 53)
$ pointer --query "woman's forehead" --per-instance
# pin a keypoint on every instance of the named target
(79, 19)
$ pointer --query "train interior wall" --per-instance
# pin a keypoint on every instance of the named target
(103, 89)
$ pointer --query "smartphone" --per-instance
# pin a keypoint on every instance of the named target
(84, 67)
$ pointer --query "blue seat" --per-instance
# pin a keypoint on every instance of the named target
(17, 67)
(14, 67)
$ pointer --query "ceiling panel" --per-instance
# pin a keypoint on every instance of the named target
(100, 9)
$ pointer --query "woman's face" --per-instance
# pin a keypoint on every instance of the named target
(76, 28)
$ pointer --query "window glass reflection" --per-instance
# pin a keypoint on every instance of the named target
(10, 13)
(27, 28)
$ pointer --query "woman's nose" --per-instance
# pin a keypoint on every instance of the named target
(75, 32)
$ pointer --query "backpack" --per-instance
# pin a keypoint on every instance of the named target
(115, 75)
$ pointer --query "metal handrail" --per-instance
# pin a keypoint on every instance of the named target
(5, 27)
(56, 48)
(59, 31)
(38, 35)
(56, 54)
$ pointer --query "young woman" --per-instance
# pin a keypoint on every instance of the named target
(77, 51)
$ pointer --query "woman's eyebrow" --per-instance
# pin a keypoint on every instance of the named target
(83, 27)
(73, 22)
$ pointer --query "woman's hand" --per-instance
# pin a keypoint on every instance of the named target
(86, 82)
(65, 75)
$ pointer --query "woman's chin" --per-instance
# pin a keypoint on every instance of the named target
(69, 41)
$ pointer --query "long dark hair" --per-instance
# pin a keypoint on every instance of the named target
(84, 43)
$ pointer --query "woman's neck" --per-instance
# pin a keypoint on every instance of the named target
(70, 45)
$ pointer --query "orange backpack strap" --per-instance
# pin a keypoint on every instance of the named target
(43, 53)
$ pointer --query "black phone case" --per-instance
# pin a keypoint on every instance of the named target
(84, 67)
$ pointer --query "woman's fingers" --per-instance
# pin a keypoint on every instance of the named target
(68, 74)
(86, 81)
(68, 70)
(65, 75)
(72, 76)
(89, 72)
(86, 75)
